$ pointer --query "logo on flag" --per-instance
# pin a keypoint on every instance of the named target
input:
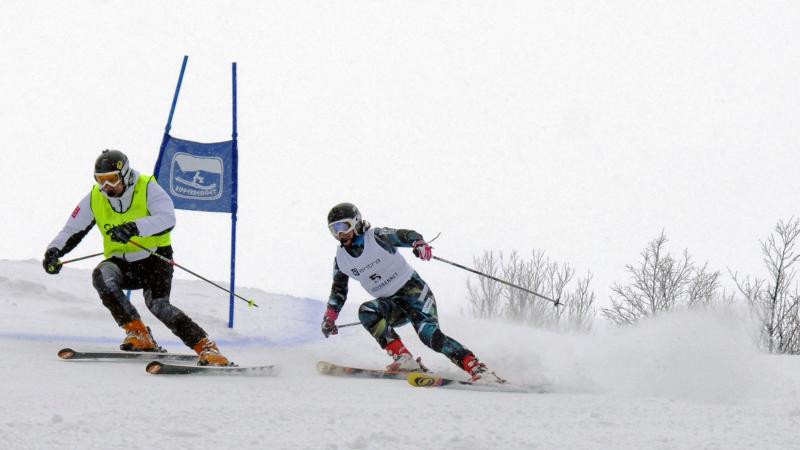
(196, 177)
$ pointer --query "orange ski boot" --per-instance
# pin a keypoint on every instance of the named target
(209, 354)
(138, 338)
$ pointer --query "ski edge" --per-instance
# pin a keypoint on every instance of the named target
(338, 370)
(162, 368)
(68, 354)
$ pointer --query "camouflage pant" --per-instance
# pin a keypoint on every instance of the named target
(413, 303)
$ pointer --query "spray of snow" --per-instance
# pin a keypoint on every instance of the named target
(683, 380)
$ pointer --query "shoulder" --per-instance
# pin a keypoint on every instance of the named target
(141, 178)
(386, 238)
(153, 188)
(383, 231)
(84, 205)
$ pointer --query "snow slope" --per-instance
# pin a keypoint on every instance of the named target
(683, 381)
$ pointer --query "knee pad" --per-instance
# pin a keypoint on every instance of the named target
(106, 278)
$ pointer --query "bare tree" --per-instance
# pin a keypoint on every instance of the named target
(775, 302)
(491, 299)
(537, 274)
(660, 283)
(484, 297)
(703, 288)
(580, 312)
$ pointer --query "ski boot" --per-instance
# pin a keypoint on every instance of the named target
(138, 338)
(209, 354)
(478, 371)
(403, 360)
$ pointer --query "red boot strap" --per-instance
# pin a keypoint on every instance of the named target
(469, 362)
(396, 348)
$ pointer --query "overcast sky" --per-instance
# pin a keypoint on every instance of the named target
(579, 128)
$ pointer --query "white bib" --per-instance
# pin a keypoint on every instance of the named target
(380, 273)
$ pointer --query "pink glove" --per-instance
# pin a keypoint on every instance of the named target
(422, 250)
(329, 322)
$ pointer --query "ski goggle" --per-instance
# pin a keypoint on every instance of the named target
(108, 178)
(342, 226)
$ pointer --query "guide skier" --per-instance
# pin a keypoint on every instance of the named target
(370, 256)
(125, 204)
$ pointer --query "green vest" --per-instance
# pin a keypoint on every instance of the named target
(106, 217)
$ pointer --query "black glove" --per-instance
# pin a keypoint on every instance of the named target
(123, 233)
(51, 263)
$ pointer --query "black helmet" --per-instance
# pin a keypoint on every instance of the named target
(346, 212)
(111, 161)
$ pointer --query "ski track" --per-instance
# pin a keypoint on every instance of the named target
(684, 381)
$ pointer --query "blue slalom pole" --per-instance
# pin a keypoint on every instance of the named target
(175, 97)
(234, 198)
(171, 113)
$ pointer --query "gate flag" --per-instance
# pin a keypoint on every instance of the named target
(198, 176)
(202, 176)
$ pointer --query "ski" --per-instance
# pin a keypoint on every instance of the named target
(70, 354)
(162, 368)
(419, 379)
(328, 368)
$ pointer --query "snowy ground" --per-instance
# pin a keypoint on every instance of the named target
(685, 381)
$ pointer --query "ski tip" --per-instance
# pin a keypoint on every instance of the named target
(324, 367)
(154, 367)
(66, 353)
(420, 379)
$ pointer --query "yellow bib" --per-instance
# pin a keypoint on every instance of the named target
(106, 217)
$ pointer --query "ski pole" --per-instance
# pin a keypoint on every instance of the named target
(556, 302)
(173, 263)
(60, 263)
(78, 259)
(348, 325)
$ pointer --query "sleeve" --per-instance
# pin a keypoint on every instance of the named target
(162, 212)
(339, 289)
(78, 225)
(389, 237)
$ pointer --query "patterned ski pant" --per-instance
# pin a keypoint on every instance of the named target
(154, 277)
(413, 303)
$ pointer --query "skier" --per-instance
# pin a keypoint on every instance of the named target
(125, 204)
(370, 256)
